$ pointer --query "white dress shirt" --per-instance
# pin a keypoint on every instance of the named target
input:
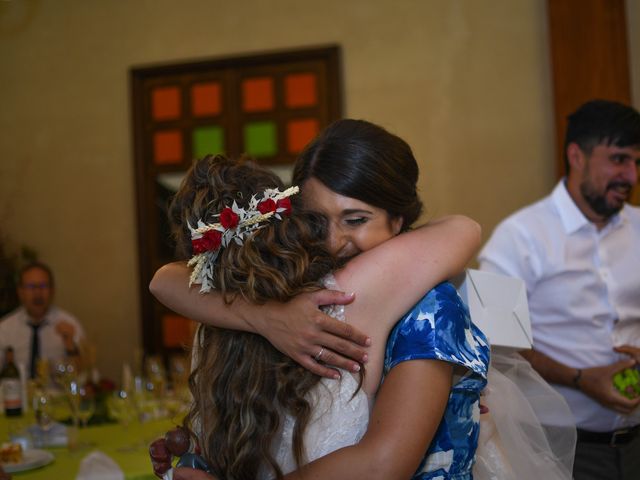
(583, 288)
(15, 332)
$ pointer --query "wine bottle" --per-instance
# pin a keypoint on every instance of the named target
(11, 386)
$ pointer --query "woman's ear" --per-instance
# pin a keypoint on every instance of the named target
(396, 225)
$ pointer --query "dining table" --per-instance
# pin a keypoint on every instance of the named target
(126, 445)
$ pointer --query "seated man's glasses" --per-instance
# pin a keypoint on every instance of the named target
(36, 286)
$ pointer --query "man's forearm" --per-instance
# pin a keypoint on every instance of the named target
(551, 370)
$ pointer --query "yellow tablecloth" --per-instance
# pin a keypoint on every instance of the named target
(127, 447)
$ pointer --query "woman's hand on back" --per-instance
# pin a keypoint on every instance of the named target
(312, 338)
(298, 328)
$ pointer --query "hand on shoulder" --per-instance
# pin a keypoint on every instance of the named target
(302, 331)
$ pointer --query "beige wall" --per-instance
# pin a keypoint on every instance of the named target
(466, 82)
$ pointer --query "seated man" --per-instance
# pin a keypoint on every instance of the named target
(38, 329)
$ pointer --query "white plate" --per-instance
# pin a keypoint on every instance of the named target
(31, 459)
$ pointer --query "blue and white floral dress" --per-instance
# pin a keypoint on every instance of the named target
(438, 327)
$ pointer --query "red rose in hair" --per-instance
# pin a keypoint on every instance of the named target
(267, 206)
(214, 239)
(210, 240)
(286, 204)
(197, 244)
(228, 218)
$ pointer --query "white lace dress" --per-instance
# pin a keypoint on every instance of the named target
(338, 421)
(339, 418)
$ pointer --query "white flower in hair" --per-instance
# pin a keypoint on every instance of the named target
(235, 224)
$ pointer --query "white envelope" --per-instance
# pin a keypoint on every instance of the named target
(498, 306)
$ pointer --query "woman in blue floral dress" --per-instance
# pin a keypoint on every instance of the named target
(439, 328)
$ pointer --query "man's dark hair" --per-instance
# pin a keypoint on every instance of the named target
(35, 264)
(602, 122)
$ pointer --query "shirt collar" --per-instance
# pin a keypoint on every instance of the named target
(571, 216)
(27, 319)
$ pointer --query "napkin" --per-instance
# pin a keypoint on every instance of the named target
(98, 466)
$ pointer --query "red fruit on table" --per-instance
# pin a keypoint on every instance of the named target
(178, 441)
(160, 457)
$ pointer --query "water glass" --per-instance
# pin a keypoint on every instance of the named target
(121, 408)
(43, 410)
(86, 406)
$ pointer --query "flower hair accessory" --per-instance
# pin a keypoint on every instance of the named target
(234, 224)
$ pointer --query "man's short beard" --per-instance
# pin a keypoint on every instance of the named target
(598, 203)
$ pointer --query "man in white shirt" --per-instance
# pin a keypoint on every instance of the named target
(37, 329)
(578, 251)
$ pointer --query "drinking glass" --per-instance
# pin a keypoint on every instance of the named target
(82, 408)
(86, 406)
(43, 411)
(65, 372)
(156, 374)
(60, 406)
(179, 366)
(71, 392)
(121, 408)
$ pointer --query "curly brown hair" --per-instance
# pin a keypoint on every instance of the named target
(242, 385)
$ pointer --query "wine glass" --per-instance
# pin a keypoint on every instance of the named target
(60, 406)
(43, 410)
(121, 408)
(65, 373)
(82, 408)
(179, 366)
(156, 374)
(86, 406)
(173, 405)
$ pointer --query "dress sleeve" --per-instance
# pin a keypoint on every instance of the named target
(439, 328)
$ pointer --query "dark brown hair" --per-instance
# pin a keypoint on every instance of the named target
(600, 122)
(361, 160)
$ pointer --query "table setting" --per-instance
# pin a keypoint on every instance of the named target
(77, 427)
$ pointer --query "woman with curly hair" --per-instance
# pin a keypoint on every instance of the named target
(244, 388)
